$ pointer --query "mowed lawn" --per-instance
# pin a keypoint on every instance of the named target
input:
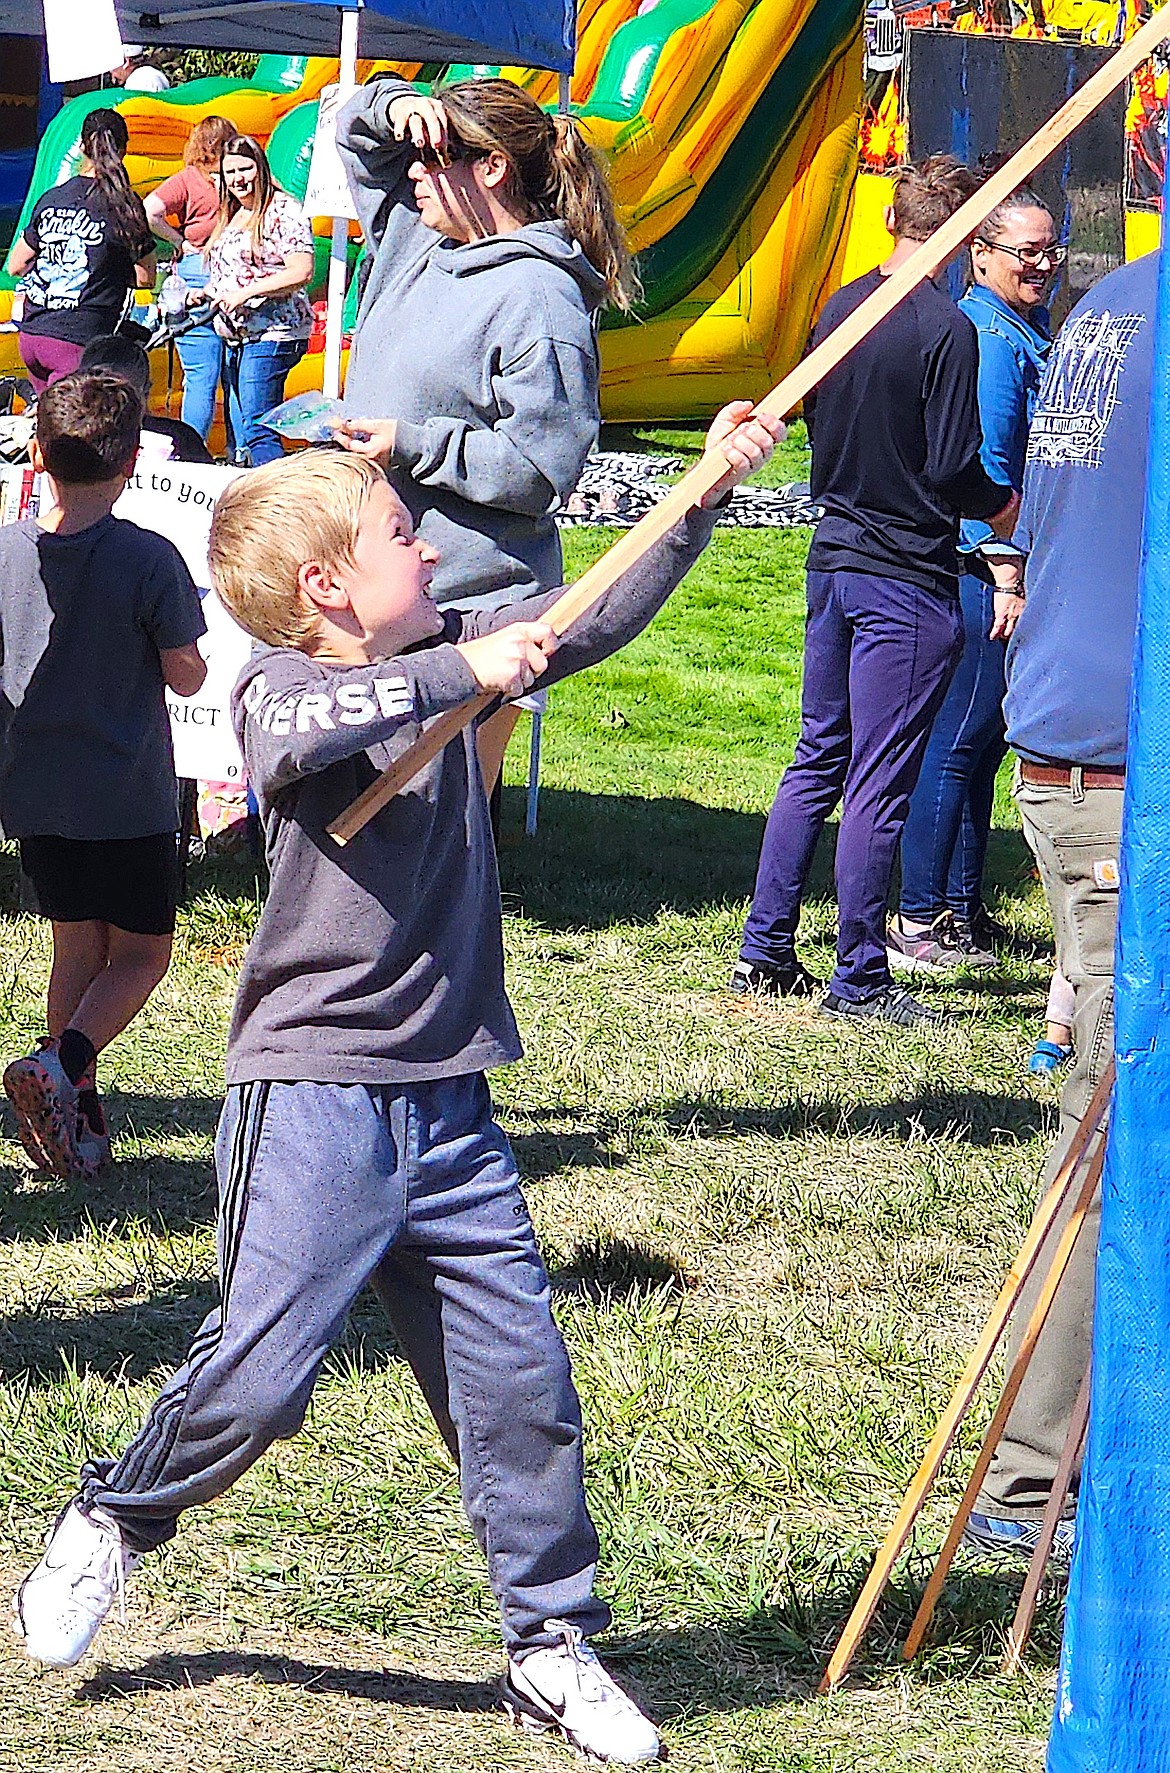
(773, 1240)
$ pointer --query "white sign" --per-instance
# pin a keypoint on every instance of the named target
(176, 500)
(82, 38)
(327, 192)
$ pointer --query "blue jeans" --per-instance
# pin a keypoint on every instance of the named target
(323, 1188)
(254, 376)
(944, 845)
(878, 655)
(201, 355)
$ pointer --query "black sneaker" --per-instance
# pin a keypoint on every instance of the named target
(892, 1004)
(989, 934)
(750, 978)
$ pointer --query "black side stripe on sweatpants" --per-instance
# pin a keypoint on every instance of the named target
(154, 1445)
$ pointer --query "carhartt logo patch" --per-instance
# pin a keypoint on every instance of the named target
(1107, 874)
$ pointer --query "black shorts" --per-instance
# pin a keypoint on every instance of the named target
(130, 882)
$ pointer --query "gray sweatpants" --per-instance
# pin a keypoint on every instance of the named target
(324, 1187)
(1075, 834)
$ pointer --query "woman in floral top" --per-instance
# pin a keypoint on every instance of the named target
(259, 259)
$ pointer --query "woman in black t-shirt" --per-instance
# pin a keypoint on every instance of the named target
(86, 246)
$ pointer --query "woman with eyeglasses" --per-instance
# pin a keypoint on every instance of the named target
(184, 210)
(942, 922)
(474, 368)
(259, 259)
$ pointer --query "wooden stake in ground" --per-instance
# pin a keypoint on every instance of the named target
(707, 473)
(1060, 1261)
(1021, 1626)
(960, 1403)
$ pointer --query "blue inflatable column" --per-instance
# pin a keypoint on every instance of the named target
(1113, 1695)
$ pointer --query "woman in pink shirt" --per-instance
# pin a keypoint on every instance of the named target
(184, 210)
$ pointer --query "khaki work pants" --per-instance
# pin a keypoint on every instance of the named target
(1074, 833)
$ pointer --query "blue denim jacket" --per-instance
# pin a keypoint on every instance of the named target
(1012, 355)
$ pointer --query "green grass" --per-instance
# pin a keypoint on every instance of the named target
(773, 1240)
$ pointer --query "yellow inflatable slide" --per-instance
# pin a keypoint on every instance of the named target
(730, 127)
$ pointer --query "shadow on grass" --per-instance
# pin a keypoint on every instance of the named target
(603, 1270)
(600, 859)
(132, 1337)
(540, 1155)
(597, 859)
(154, 1189)
(129, 1340)
(148, 1336)
(773, 1655)
(164, 1674)
(777, 1654)
(970, 1116)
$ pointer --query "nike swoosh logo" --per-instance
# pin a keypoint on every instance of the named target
(540, 1699)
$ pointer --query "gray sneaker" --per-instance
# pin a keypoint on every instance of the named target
(946, 947)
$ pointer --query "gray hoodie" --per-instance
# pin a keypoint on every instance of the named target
(486, 355)
(382, 963)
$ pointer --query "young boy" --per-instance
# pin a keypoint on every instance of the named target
(357, 1141)
(96, 616)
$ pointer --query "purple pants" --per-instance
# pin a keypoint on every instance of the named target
(47, 359)
(878, 656)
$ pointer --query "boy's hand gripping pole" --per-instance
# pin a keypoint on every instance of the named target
(707, 473)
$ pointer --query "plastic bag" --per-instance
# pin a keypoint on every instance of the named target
(307, 418)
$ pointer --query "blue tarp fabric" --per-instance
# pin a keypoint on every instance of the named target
(532, 33)
(1113, 1695)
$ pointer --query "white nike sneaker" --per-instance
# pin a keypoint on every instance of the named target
(564, 1687)
(59, 1607)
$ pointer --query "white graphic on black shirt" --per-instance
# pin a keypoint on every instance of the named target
(61, 271)
(1080, 390)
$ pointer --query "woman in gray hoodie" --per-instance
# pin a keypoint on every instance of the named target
(474, 371)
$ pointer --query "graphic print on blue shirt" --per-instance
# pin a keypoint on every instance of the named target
(1080, 393)
(1071, 657)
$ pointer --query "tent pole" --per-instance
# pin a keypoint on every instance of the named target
(331, 376)
(563, 93)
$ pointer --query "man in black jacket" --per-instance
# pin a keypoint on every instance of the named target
(895, 438)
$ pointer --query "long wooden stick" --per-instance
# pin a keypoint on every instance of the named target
(706, 474)
(960, 1403)
(1060, 1261)
(1021, 1626)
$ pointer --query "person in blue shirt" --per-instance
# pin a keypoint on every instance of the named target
(942, 922)
(1069, 672)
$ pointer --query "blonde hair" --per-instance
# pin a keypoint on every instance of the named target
(274, 519)
(553, 173)
(205, 144)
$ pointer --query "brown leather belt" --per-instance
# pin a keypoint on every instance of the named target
(1059, 775)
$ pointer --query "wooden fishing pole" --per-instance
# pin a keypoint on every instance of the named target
(1021, 1626)
(1015, 1379)
(707, 473)
(964, 1393)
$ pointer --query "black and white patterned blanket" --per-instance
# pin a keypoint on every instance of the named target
(617, 487)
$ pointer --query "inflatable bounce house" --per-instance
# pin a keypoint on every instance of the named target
(732, 130)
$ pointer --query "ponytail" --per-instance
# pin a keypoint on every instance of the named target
(580, 195)
(104, 140)
(553, 173)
